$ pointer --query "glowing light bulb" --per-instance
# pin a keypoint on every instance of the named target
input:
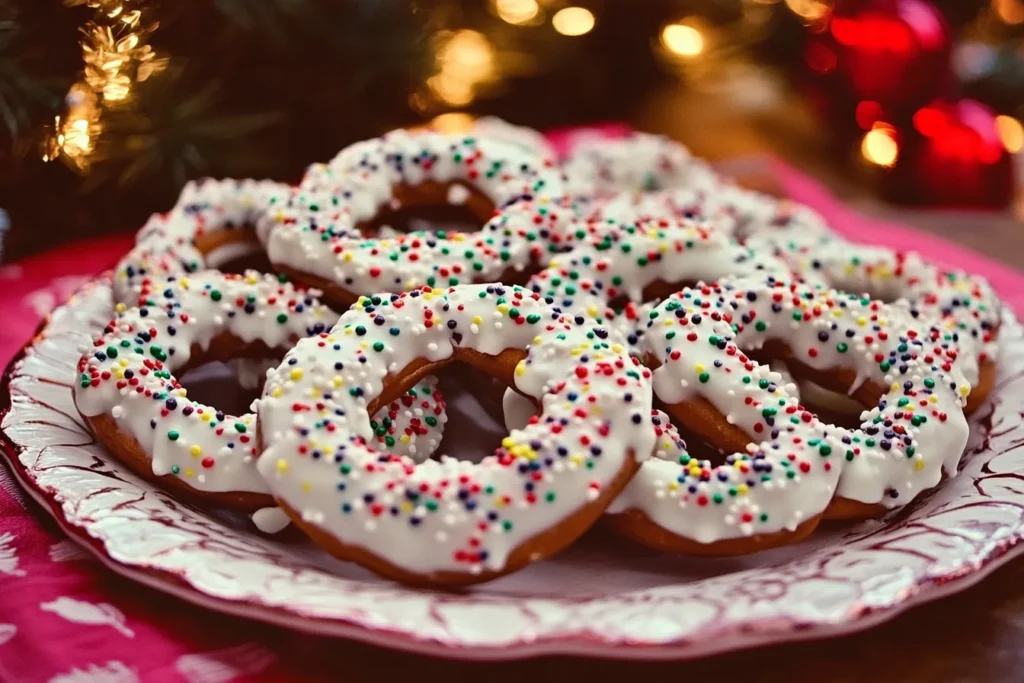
(516, 11)
(682, 40)
(1011, 132)
(1009, 11)
(808, 10)
(573, 21)
(879, 147)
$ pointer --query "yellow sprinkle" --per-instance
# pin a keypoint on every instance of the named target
(296, 373)
(276, 392)
(862, 321)
(189, 472)
(477, 320)
(536, 340)
(576, 458)
(593, 311)
(347, 256)
(673, 485)
(406, 507)
(503, 308)
(742, 490)
(119, 373)
(663, 248)
(699, 367)
(314, 392)
(337, 381)
(617, 348)
(521, 368)
(933, 399)
(499, 502)
(282, 466)
(206, 417)
(508, 442)
(404, 438)
(919, 464)
(964, 390)
(120, 308)
(196, 451)
(123, 362)
(250, 279)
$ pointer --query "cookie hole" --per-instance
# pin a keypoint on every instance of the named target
(655, 291)
(830, 406)
(430, 207)
(238, 264)
(473, 401)
(230, 387)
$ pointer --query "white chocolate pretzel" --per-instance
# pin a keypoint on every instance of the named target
(452, 520)
(795, 464)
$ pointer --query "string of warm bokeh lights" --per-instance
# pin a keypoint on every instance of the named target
(115, 56)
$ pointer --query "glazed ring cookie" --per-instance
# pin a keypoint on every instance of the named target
(637, 262)
(209, 216)
(787, 465)
(318, 236)
(773, 219)
(672, 204)
(962, 309)
(128, 392)
(639, 161)
(453, 522)
(523, 137)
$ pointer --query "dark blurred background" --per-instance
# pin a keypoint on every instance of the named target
(108, 106)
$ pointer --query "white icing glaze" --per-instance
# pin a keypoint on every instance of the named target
(523, 137)
(639, 161)
(129, 373)
(691, 203)
(517, 409)
(165, 244)
(451, 515)
(271, 520)
(798, 463)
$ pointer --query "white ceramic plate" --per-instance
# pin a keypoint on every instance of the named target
(602, 597)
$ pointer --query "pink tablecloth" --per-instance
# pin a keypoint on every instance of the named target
(63, 617)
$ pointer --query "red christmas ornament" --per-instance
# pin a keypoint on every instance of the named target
(952, 155)
(895, 53)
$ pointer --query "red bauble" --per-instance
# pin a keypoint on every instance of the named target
(894, 52)
(952, 155)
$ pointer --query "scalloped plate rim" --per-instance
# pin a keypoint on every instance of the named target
(739, 637)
